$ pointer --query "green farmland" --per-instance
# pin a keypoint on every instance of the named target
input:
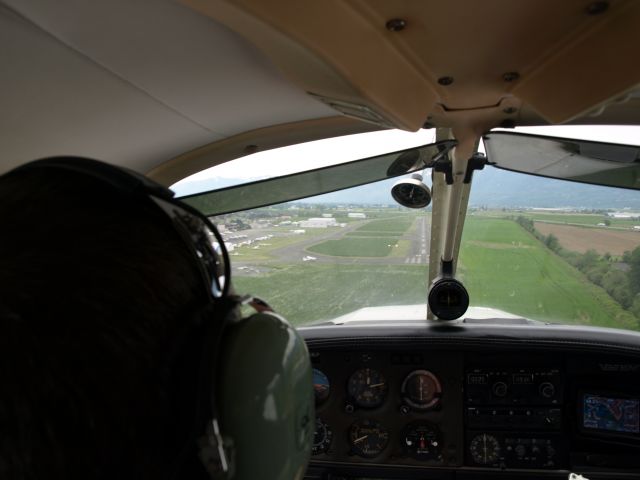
(501, 264)
(582, 219)
(307, 293)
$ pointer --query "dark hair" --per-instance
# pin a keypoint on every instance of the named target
(96, 290)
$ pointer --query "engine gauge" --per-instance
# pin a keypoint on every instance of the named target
(321, 386)
(422, 441)
(368, 438)
(421, 390)
(484, 449)
(321, 438)
(368, 388)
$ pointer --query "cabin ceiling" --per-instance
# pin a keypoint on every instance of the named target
(169, 88)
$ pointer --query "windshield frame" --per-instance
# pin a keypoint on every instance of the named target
(620, 165)
(322, 175)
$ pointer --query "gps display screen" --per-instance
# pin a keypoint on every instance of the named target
(611, 414)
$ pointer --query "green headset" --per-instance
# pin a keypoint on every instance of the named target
(253, 412)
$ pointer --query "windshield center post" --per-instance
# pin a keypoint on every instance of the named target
(450, 200)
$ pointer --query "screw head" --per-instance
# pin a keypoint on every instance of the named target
(445, 81)
(510, 110)
(598, 7)
(511, 76)
(396, 25)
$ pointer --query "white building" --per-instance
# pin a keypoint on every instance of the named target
(623, 215)
(318, 223)
(356, 215)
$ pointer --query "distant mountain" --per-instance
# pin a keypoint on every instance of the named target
(498, 188)
(491, 188)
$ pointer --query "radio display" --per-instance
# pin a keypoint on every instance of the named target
(611, 414)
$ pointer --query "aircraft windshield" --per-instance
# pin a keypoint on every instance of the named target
(539, 248)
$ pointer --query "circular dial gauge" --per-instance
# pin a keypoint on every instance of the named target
(321, 386)
(448, 299)
(421, 440)
(368, 387)
(368, 438)
(485, 449)
(421, 389)
(411, 194)
(321, 438)
(404, 163)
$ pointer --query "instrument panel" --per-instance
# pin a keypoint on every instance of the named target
(475, 400)
(459, 411)
(387, 407)
(513, 413)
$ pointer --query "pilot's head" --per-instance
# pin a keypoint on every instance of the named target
(122, 354)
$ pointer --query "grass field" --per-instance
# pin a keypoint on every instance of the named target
(376, 238)
(307, 293)
(363, 233)
(397, 225)
(400, 249)
(355, 247)
(503, 266)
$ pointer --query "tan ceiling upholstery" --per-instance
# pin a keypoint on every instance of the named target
(567, 60)
(133, 83)
(171, 87)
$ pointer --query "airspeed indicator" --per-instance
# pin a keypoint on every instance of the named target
(368, 388)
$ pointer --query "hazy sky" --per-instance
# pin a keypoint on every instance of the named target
(307, 156)
(320, 153)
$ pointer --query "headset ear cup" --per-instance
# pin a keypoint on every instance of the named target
(265, 398)
(199, 358)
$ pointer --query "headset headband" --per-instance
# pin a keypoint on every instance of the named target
(194, 228)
